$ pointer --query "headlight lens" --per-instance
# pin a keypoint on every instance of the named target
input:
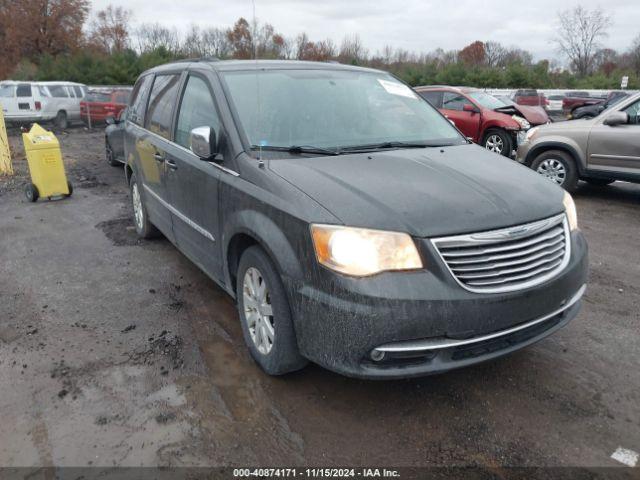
(361, 252)
(524, 124)
(570, 209)
(530, 134)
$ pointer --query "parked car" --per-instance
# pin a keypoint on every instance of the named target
(578, 99)
(114, 139)
(598, 150)
(490, 122)
(529, 97)
(554, 102)
(102, 104)
(27, 102)
(590, 111)
(348, 218)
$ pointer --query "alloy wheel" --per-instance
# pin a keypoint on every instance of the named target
(553, 169)
(258, 312)
(494, 144)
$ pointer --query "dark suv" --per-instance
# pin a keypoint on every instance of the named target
(352, 223)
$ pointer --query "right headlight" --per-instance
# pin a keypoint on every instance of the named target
(362, 252)
(570, 209)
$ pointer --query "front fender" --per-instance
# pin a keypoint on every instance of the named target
(269, 235)
(558, 143)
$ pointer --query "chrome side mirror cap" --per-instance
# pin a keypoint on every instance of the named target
(616, 118)
(203, 142)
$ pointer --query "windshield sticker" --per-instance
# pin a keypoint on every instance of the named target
(395, 88)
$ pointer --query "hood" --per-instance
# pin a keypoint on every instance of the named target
(424, 192)
(533, 115)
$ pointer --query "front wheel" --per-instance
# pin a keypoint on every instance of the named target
(31, 192)
(558, 167)
(498, 141)
(265, 315)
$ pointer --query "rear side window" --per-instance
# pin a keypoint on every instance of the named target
(58, 91)
(7, 91)
(434, 98)
(161, 102)
(43, 91)
(197, 109)
(139, 99)
(23, 90)
(79, 92)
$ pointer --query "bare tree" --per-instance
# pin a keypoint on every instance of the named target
(110, 29)
(216, 42)
(495, 54)
(634, 55)
(151, 36)
(352, 50)
(578, 36)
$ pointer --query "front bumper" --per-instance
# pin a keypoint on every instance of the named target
(380, 327)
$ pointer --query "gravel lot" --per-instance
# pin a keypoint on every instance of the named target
(116, 351)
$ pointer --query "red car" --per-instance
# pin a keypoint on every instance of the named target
(99, 105)
(488, 121)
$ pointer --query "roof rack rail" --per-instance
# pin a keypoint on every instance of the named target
(197, 59)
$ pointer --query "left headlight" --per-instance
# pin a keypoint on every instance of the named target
(362, 252)
(570, 209)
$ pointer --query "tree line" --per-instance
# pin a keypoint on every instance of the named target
(57, 40)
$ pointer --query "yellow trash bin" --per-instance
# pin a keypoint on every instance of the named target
(48, 178)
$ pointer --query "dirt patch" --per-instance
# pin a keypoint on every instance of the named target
(166, 349)
(121, 232)
(65, 375)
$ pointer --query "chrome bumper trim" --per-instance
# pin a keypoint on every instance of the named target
(439, 343)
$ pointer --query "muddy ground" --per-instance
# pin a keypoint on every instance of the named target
(120, 352)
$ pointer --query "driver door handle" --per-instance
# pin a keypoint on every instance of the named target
(159, 157)
(171, 164)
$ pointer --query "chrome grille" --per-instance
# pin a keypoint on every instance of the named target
(508, 259)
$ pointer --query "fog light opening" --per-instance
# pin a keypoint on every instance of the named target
(377, 355)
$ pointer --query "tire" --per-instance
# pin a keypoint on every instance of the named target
(559, 167)
(70, 187)
(271, 339)
(598, 182)
(144, 228)
(111, 160)
(498, 141)
(61, 120)
(31, 192)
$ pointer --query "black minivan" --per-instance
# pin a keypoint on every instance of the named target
(353, 224)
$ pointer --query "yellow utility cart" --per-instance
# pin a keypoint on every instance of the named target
(48, 178)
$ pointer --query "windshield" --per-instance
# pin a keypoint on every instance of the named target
(487, 101)
(98, 97)
(333, 109)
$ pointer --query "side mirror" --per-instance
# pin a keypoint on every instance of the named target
(204, 143)
(616, 118)
(110, 120)
(469, 108)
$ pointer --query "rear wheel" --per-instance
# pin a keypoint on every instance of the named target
(498, 141)
(265, 315)
(558, 167)
(61, 120)
(111, 158)
(144, 227)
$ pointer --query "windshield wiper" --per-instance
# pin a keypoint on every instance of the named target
(297, 149)
(388, 145)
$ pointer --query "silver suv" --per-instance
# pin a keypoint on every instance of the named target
(600, 150)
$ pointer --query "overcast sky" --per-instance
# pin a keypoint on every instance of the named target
(418, 25)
